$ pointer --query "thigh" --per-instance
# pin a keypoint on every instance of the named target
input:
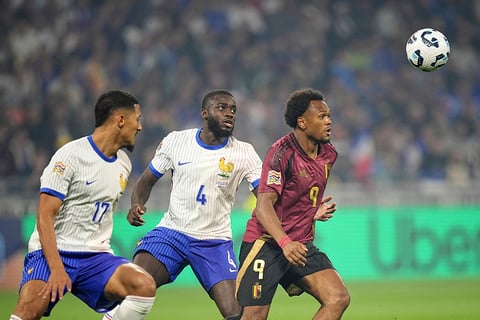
(92, 275)
(153, 266)
(263, 265)
(167, 246)
(89, 272)
(35, 268)
(223, 293)
(213, 261)
(325, 285)
(29, 304)
(36, 273)
(316, 261)
(129, 279)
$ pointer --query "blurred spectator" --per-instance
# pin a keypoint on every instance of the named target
(393, 123)
(7, 158)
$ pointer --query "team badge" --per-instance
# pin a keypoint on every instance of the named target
(59, 167)
(274, 177)
(256, 291)
(123, 182)
(225, 168)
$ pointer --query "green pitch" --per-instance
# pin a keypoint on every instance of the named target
(396, 300)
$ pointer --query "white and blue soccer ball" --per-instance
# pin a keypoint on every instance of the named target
(428, 49)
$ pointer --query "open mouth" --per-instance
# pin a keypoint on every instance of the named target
(228, 123)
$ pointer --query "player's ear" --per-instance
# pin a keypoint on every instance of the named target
(121, 120)
(301, 123)
(204, 113)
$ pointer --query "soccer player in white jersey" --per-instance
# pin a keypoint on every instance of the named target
(207, 166)
(69, 250)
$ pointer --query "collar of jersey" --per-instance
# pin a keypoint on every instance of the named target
(209, 147)
(104, 157)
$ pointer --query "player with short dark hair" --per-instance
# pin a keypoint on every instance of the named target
(69, 250)
(207, 166)
(278, 247)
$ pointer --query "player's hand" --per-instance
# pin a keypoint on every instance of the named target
(296, 253)
(134, 215)
(56, 285)
(325, 210)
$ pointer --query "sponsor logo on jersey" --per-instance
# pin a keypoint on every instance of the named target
(274, 177)
(59, 167)
(89, 182)
(180, 163)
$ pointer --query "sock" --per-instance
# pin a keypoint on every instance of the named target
(14, 317)
(109, 314)
(133, 308)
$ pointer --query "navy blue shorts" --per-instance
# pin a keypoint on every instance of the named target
(89, 272)
(212, 261)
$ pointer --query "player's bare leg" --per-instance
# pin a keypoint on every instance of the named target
(135, 288)
(152, 266)
(328, 288)
(129, 279)
(30, 305)
(255, 312)
(223, 293)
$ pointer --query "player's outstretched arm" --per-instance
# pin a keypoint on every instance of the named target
(140, 194)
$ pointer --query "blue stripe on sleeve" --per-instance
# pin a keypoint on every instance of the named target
(256, 183)
(52, 192)
(154, 171)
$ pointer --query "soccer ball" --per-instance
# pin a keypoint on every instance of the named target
(427, 49)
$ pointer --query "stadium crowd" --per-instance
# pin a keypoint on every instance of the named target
(393, 124)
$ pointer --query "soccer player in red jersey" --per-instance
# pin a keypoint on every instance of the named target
(278, 244)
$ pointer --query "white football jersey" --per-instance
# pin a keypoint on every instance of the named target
(90, 185)
(204, 181)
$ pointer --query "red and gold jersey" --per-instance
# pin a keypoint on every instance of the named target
(300, 182)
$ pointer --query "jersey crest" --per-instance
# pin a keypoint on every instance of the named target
(225, 168)
(123, 182)
(256, 291)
